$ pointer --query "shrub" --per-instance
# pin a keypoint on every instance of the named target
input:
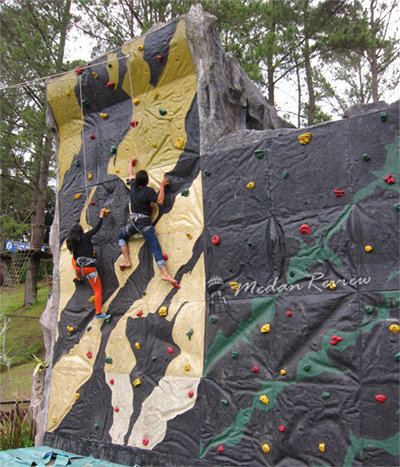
(17, 430)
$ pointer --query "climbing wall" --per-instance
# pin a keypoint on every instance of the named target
(282, 345)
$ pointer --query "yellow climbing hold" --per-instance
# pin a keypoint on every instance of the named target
(188, 235)
(322, 447)
(117, 170)
(78, 195)
(136, 101)
(91, 299)
(331, 285)
(283, 372)
(89, 176)
(106, 212)
(103, 116)
(77, 396)
(250, 185)
(265, 328)
(70, 328)
(187, 367)
(305, 139)
(68, 93)
(394, 328)
(156, 94)
(54, 419)
(264, 399)
(154, 145)
(137, 382)
(94, 75)
(233, 285)
(265, 448)
(368, 248)
(163, 311)
(137, 346)
(180, 143)
(140, 47)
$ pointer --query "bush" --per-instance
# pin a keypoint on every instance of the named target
(17, 430)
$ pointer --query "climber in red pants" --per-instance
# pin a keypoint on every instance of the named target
(83, 261)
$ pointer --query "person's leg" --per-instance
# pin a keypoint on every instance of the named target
(77, 270)
(95, 282)
(123, 238)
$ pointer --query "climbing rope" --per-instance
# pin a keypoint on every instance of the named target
(83, 143)
(133, 112)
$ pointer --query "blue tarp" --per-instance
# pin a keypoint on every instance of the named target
(44, 456)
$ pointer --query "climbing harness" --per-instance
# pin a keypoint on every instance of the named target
(83, 262)
(134, 218)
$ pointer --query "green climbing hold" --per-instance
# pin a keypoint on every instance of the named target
(397, 357)
(291, 274)
(113, 149)
(383, 117)
(109, 65)
(162, 112)
(77, 163)
(77, 219)
(259, 153)
(185, 192)
(144, 293)
(366, 157)
(214, 319)
(235, 355)
(397, 207)
(128, 182)
(326, 395)
(89, 328)
(95, 426)
(154, 358)
(251, 245)
(369, 309)
(285, 175)
(108, 320)
(189, 334)
(224, 401)
(108, 360)
(85, 102)
(207, 172)
(307, 367)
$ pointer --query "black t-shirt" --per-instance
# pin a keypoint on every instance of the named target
(141, 197)
(85, 247)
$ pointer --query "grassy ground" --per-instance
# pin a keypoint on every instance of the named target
(23, 336)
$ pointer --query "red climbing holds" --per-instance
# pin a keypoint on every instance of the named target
(389, 179)
(111, 381)
(165, 256)
(335, 340)
(221, 448)
(254, 369)
(145, 441)
(288, 314)
(304, 229)
(380, 398)
(116, 409)
(91, 136)
(170, 350)
(159, 58)
(79, 70)
(191, 394)
(282, 428)
(134, 123)
(339, 193)
(140, 314)
(89, 354)
(134, 162)
(92, 203)
(111, 84)
(215, 240)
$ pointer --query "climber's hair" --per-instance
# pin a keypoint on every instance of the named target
(74, 237)
(142, 178)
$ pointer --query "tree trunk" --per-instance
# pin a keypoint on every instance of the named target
(310, 85)
(373, 60)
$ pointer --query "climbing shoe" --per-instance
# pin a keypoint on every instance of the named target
(102, 316)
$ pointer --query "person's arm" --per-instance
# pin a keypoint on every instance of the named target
(132, 163)
(98, 226)
(160, 198)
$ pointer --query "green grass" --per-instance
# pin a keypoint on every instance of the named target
(16, 383)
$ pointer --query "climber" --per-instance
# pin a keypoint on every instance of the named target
(141, 197)
(83, 262)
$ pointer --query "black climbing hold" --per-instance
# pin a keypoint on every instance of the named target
(259, 153)
(77, 163)
(285, 175)
(207, 172)
(366, 157)
(383, 117)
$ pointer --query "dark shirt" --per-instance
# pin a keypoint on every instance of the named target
(85, 247)
(141, 197)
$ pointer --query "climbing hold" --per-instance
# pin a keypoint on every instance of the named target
(111, 84)
(77, 396)
(137, 382)
(89, 354)
(265, 448)
(137, 346)
(322, 447)
(233, 285)
(335, 340)
(187, 367)
(77, 219)
(79, 70)
(134, 162)
(266, 328)
(331, 285)
(91, 136)
(307, 367)
(170, 350)
(213, 319)
(108, 320)
(254, 369)
(220, 448)
(140, 47)
(113, 149)
(188, 235)
(251, 245)
(140, 314)
(389, 179)
(259, 153)
(380, 398)
(89, 328)
(111, 381)
(189, 334)
(103, 116)
(117, 170)
(134, 123)
(288, 314)
(78, 195)
(283, 372)
(144, 293)
(250, 185)
(91, 299)
(90, 177)
(264, 399)
(369, 309)
(185, 192)
(128, 182)
(339, 193)
(77, 163)
(224, 401)
(94, 75)
(108, 360)
(397, 357)
(85, 102)
(394, 328)
(305, 138)
(109, 65)
(159, 58)
(136, 101)
(145, 441)
(366, 157)
(292, 274)
(235, 355)
(326, 395)
(368, 248)
(106, 212)
(70, 328)
(68, 92)
(180, 143)
(215, 240)
(397, 207)
(285, 175)
(154, 145)
(163, 311)
(305, 229)
(116, 409)
(207, 172)
(165, 256)
(383, 117)
(162, 112)
(154, 358)
(95, 426)
(190, 394)
(54, 419)
(156, 94)
(282, 428)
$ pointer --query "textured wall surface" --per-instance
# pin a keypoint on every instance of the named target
(214, 389)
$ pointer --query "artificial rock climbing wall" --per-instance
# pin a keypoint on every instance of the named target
(282, 345)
